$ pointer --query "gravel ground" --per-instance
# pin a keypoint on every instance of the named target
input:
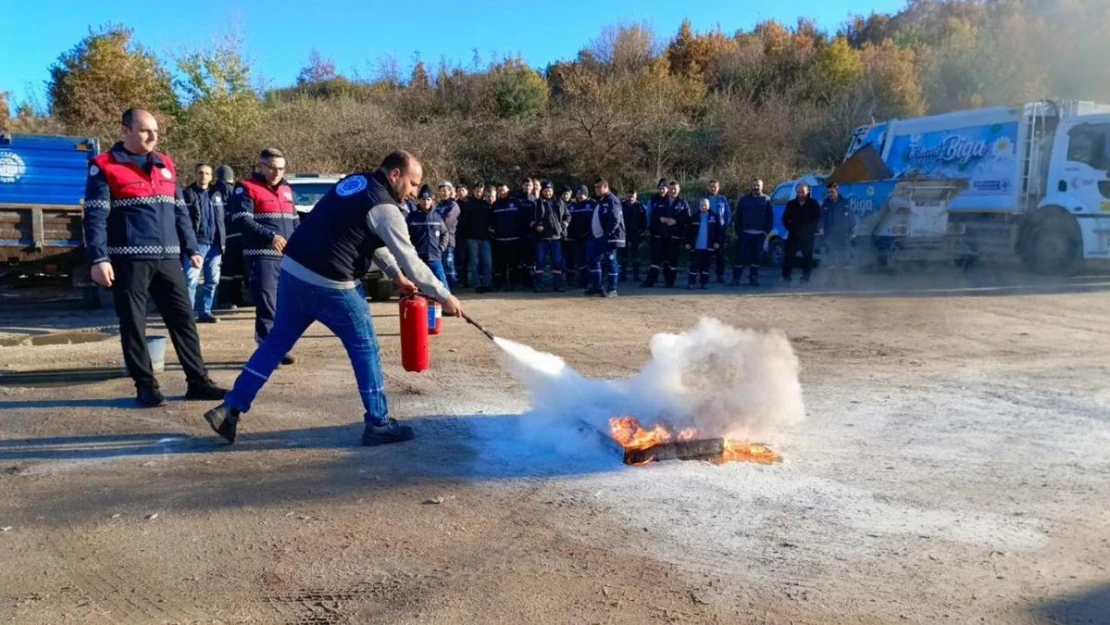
(953, 467)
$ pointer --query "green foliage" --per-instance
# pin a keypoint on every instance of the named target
(104, 74)
(519, 91)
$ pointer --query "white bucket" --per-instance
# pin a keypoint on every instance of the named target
(156, 345)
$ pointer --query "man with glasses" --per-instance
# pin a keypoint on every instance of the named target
(264, 212)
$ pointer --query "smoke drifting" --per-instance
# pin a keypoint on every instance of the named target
(721, 380)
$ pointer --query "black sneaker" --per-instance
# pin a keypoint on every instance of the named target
(386, 433)
(207, 319)
(224, 421)
(288, 360)
(149, 396)
(205, 390)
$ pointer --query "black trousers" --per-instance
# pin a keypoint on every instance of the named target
(630, 257)
(798, 243)
(136, 282)
(719, 255)
(506, 263)
(700, 261)
(264, 272)
(664, 256)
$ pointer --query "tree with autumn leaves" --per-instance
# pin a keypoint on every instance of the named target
(770, 101)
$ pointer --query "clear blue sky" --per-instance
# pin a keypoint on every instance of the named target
(278, 35)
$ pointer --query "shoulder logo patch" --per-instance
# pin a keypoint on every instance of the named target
(166, 173)
(351, 186)
(238, 190)
(94, 170)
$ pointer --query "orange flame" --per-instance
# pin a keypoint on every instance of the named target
(632, 436)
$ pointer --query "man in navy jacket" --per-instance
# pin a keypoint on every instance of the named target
(206, 209)
(137, 228)
(606, 237)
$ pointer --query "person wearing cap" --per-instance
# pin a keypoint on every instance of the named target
(657, 212)
(448, 209)
(231, 268)
(635, 221)
(475, 226)
(429, 233)
(578, 233)
(510, 222)
(548, 227)
(606, 237)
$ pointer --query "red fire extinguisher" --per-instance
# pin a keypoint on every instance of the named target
(435, 317)
(415, 354)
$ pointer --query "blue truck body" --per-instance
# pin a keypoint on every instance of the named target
(42, 188)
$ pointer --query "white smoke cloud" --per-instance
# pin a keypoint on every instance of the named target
(724, 381)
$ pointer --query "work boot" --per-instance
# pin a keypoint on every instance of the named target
(288, 360)
(386, 433)
(207, 319)
(612, 293)
(149, 396)
(224, 421)
(204, 390)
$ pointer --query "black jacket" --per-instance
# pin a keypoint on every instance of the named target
(714, 230)
(802, 218)
(635, 219)
(206, 209)
(754, 212)
(475, 220)
(551, 215)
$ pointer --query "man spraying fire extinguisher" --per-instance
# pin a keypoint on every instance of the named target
(356, 223)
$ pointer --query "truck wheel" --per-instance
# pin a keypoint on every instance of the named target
(776, 252)
(380, 290)
(1053, 246)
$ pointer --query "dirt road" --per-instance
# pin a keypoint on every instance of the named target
(954, 467)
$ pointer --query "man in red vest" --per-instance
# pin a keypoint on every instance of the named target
(137, 229)
(264, 212)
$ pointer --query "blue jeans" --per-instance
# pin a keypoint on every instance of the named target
(345, 313)
(480, 256)
(552, 248)
(213, 260)
(602, 266)
(448, 261)
(437, 268)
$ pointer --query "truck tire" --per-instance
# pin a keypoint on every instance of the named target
(380, 290)
(776, 252)
(1052, 245)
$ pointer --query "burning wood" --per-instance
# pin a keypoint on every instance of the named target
(642, 446)
(704, 449)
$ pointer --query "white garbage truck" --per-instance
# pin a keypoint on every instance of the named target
(1030, 180)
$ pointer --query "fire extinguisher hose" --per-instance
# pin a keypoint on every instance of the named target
(465, 317)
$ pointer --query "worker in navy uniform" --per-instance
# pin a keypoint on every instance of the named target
(657, 211)
(578, 234)
(206, 209)
(704, 234)
(801, 218)
(754, 220)
(475, 224)
(547, 228)
(462, 254)
(509, 224)
(674, 229)
(137, 228)
(838, 227)
(635, 222)
(357, 222)
(449, 210)
(529, 193)
(606, 237)
(263, 210)
(231, 266)
(429, 233)
(720, 206)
